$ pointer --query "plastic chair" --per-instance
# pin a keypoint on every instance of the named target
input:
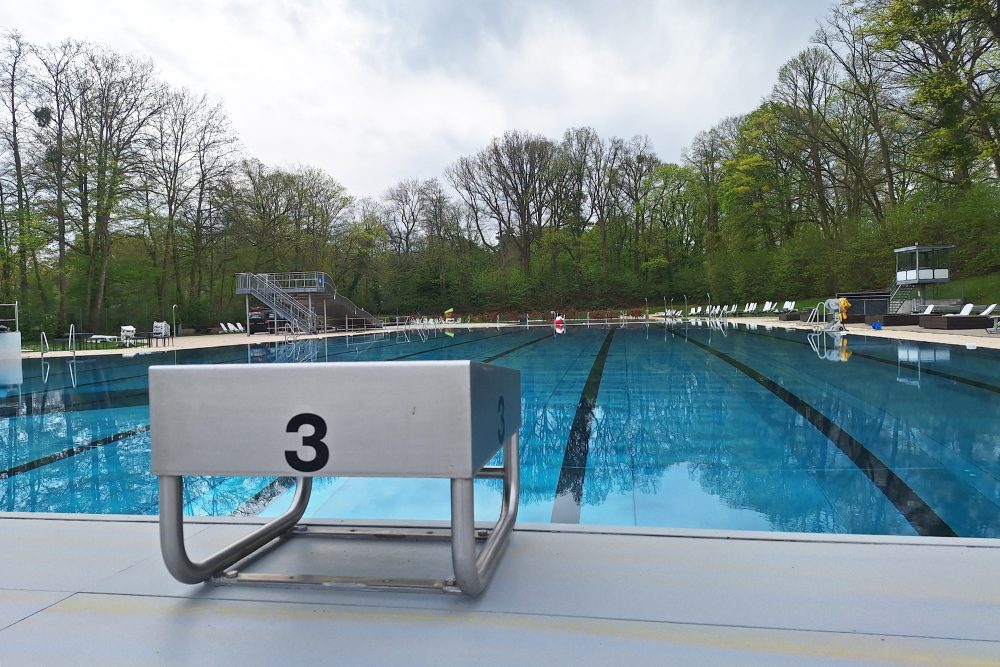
(127, 335)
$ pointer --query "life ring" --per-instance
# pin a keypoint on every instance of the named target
(559, 324)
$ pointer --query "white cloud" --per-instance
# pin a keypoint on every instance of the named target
(374, 92)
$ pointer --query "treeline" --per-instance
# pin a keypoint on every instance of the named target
(120, 195)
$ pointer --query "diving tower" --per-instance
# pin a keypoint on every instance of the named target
(307, 300)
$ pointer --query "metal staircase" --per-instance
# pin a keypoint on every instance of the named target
(307, 300)
(898, 295)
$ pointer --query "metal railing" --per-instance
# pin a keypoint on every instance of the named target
(899, 295)
(299, 281)
(273, 294)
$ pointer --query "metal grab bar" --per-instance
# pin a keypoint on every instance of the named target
(172, 533)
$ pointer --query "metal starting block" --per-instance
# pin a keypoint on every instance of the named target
(442, 419)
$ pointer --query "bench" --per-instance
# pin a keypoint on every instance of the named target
(444, 419)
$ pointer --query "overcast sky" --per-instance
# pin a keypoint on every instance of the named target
(377, 91)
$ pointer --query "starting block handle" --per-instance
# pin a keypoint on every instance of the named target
(172, 532)
(472, 572)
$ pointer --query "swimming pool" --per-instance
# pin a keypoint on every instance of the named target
(684, 427)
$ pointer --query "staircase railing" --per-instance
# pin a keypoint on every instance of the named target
(899, 295)
(272, 294)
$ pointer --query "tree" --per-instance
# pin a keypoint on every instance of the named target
(12, 74)
(121, 97)
(404, 206)
(57, 96)
(944, 54)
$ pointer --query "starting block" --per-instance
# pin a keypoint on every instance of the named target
(443, 419)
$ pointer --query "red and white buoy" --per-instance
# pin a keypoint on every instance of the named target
(559, 324)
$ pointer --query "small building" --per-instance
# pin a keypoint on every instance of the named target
(923, 264)
(918, 266)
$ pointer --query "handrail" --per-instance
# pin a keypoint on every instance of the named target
(43, 344)
(72, 340)
(301, 281)
(263, 288)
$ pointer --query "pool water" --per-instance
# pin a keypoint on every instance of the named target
(681, 426)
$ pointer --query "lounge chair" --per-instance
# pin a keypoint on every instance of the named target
(899, 319)
(127, 335)
(966, 309)
(962, 320)
(231, 328)
(239, 327)
(222, 328)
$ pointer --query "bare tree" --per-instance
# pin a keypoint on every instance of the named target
(505, 183)
(637, 167)
(121, 98)
(603, 187)
(13, 79)
(187, 140)
(404, 205)
(57, 95)
(804, 93)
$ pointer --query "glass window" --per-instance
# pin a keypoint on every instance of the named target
(905, 261)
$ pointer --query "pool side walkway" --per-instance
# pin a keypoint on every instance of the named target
(89, 591)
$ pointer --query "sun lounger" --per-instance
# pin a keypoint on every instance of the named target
(961, 320)
(899, 319)
(966, 309)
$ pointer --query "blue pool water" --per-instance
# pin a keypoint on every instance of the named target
(686, 427)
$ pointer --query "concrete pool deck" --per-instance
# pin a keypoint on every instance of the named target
(88, 591)
(965, 338)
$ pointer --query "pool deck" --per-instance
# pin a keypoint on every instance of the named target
(88, 591)
(965, 338)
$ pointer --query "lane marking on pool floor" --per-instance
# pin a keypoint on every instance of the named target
(569, 489)
(915, 509)
(72, 451)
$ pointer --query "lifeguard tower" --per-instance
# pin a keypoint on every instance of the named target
(916, 267)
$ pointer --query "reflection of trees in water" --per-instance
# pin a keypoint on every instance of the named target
(103, 478)
(930, 435)
(543, 434)
(681, 406)
(933, 452)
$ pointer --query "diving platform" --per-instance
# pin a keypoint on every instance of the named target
(308, 300)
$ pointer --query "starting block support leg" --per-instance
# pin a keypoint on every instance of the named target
(172, 532)
(472, 573)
